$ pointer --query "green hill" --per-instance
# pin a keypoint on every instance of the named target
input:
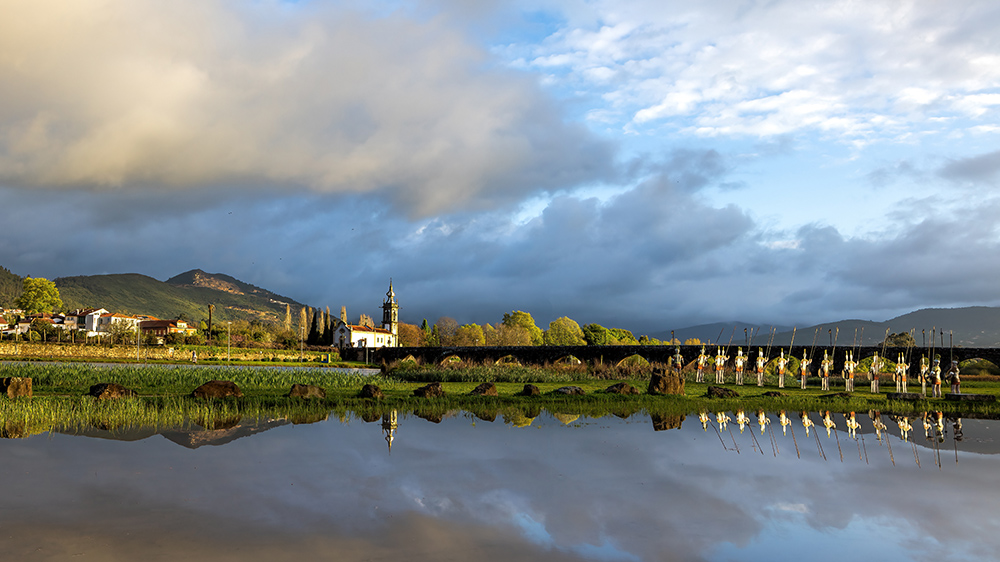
(10, 288)
(187, 295)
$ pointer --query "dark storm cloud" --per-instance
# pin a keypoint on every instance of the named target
(975, 169)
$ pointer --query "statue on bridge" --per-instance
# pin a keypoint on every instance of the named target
(901, 371)
(720, 367)
(873, 372)
(702, 361)
(824, 370)
(738, 362)
(761, 360)
(849, 365)
(925, 369)
(781, 362)
(936, 379)
(804, 367)
(956, 382)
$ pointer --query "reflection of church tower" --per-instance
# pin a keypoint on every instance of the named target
(389, 425)
(390, 314)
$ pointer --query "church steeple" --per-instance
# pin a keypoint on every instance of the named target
(390, 311)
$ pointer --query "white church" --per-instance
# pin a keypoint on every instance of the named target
(361, 335)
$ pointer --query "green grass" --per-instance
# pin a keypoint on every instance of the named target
(59, 403)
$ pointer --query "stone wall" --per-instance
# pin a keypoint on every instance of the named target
(9, 350)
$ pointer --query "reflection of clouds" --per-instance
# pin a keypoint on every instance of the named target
(605, 490)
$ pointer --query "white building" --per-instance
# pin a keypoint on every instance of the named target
(356, 335)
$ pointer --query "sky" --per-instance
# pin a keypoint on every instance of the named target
(638, 164)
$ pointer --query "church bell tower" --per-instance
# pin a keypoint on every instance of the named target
(390, 313)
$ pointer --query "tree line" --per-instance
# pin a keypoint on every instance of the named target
(517, 328)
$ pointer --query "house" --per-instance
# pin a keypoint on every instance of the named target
(84, 319)
(363, 334)
(163, 328)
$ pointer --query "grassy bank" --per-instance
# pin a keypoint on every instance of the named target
(60, 404)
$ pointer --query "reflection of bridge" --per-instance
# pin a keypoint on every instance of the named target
(614, 354)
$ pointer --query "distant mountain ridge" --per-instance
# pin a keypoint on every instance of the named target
(187, 295)
(973, 326)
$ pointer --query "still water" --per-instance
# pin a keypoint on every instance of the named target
(469, 489)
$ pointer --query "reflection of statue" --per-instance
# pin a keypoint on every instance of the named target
(785, 422)
(389, 424)
(904, 427)
(877, 423)
(852, 425)
(939, 425)
(741, 419)
(828, 422)
(806, 422)
(956, 429)
(703, 418)
(723, 420)
(762, 421)
(925, 418)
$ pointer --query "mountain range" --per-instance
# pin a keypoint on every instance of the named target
(186, 295)
(974, 326)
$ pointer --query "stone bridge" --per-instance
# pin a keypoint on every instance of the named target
(615, 354)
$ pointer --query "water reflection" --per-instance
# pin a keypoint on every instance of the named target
(535, 485)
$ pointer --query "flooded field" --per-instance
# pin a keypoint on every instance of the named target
(557, 487)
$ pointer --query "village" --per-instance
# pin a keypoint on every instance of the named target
(87, 323)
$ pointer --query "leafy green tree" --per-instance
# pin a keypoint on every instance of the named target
(624, 337)
(564, 331)
(470, 335)
(595, 334)
(524, 320)
(38, 295)
(902, 339)
(511, 336)
(434, 340)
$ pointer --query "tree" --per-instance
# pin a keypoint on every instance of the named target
(624, 337)
(410, 335)
(564, 331)
(902, 339)
(446, 329)
(692, 341)
(38, 295)
(510, 335)
(524, 320)
(595, 334)
(470, 335)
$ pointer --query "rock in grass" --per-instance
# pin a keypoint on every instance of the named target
(720, 392)
(970, 397)
(432, 390)
(16, 386)
(848, 395)
(529, 390)
(110, 391)
(569, 390)
(485, 389)
(621, 388)
(217, 389)
(664, 383)
(306, 391)
(774, 394)
(371, 391)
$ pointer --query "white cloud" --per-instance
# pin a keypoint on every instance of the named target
(762, 69)
(123, 94)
